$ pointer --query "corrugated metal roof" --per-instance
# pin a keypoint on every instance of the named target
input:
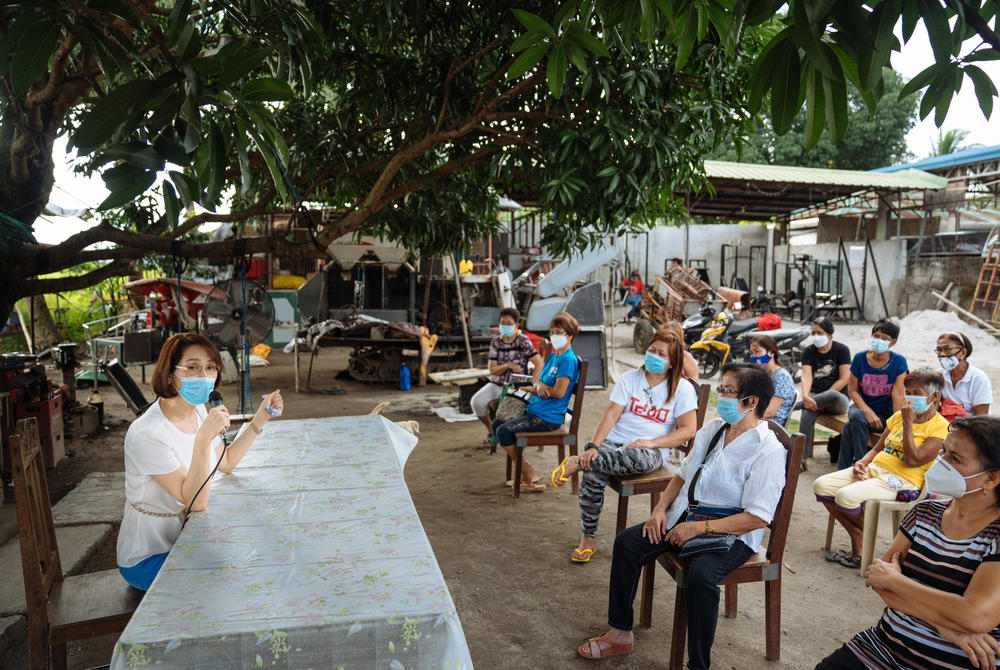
(904, 178)
(948, 160)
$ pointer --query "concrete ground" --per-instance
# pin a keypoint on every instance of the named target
(506, 562)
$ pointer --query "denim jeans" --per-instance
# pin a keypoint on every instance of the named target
(633, 301)
(854, 438)
(829, 402)
(701, 595)
(528, 423)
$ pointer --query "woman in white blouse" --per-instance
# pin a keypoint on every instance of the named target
(964, 383)
(172, 450)
(714, 512)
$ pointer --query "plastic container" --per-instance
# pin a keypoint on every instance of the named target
(404, 378)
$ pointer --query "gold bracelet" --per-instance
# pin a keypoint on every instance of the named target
(708, 527)
(256, 429)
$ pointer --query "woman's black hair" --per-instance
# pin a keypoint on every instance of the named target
(886, 327)
(984, 431)
(751, 380)
(824, 323)
(961, 340)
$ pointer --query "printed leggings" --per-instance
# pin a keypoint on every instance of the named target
(611, 461)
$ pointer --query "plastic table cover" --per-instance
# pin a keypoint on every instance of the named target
(310, 555)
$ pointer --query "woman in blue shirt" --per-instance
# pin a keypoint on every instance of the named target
(547, 408)
(764, 352)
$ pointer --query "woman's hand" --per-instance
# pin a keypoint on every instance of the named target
(515, 368)
(981, 648)
(908, 415)
(272, 400)
(683, 532)
(861, 470)
(642, 444)
(873, 420)
(216, 422)
(540, 389)
(586, 458)
(810, 404)
(880, 574)
(655, 527)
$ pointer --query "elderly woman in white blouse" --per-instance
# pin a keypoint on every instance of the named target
(964, 383)
(713, 512)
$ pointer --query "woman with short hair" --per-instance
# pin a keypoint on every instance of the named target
(727, 488)
(826, 369)
(172, 450)
(652, 410)
(939, 577)
(964, 383)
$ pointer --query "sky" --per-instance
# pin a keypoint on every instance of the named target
(74, 191)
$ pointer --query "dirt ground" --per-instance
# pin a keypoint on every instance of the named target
(521, 601)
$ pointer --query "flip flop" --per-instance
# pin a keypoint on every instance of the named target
(850, 562)
(835, 556)
(534, 482)
(595, 651)
(584, 556)
(534, 488)
(559, 474)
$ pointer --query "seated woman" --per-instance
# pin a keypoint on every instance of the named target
(547, 408)
(509, 353)
(964, 383)
(911, 440)
(171, 450)
(826, 369)
(764, 352)
(939, 576)
(651, 410)
(728, 486)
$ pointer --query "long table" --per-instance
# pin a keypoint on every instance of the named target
(310, 555)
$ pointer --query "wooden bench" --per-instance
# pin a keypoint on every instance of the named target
(836, 422)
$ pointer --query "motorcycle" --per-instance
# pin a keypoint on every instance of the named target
(694, 325)
(727, 340)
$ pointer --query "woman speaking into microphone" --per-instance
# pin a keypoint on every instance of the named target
(171, 451)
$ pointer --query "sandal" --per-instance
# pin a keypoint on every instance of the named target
(850, 561)
(559, 474)
(582, 556)
(534, 482)
(592, 648)
(835, 556)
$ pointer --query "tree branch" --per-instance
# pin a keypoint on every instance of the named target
(981, 27)
(57, 284)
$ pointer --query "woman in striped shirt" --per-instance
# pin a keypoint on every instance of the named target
(939, 577)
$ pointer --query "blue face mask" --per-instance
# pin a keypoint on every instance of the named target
(195, 390)
(729, 410)
(762, 361)
(919, 403)
(654, 363)
(879, 346)
(507, 331)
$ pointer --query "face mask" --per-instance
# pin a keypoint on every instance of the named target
(195, 390)
(942, 479)
(878, 346)
(919, 403)
(654, 363)
(949, 363)
(559, 341)
(729, 410)
(762, 361)
(821, 340)
(508, 331)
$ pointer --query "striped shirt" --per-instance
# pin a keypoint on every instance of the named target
(901, 641)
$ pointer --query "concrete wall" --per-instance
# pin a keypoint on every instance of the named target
(925, 274)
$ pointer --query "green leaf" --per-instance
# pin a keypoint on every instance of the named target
(576, 55)
(528, 59)
(936, 22)
(911, 16)
(785, 94)
(187, 187)
(125, 186)
(30, 59)
(986, 90)
(578, 33)
(981, 55)
(923, 79)
(952, 81)
(240, 61)
(533, 21)
(556, 70)
(170, 203)
(608, 171)
(108, 113)
(807, 39)
(815, 108)
(266, 88)
(138, 154)
(241, 153)
(178, 17)
(266, 128)
(835, 93)
(528, 39)
(268, 155)
(188, 43)
(763, 69)
(217, 163)
(686, 40)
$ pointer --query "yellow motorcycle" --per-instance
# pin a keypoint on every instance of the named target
(721, 342)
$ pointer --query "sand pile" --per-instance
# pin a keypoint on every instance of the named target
(921, 329)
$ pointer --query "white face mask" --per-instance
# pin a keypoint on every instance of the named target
(949, 363)
(559, 341)
(942, 479)
(821, 340)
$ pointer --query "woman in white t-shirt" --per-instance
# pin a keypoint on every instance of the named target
(964, 383)
(171, 451)
(652, 409)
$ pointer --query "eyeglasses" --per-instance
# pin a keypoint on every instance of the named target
(947, 351)
(728, 391)
(210, 370)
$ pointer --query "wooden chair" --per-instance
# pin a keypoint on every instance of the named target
(561, 437)
(60, 609)
(653, 483)
(764, 567)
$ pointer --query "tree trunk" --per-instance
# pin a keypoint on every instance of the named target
(44, 332)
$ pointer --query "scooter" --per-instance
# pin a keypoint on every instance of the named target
(694, 325)
(727, 340)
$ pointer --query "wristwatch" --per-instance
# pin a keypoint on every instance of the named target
(590, 445)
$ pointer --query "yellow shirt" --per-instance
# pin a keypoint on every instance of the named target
(891, 457)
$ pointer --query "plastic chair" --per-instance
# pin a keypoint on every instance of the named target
(60, 609)
(872, 510)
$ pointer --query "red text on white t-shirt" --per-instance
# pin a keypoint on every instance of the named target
(649, 412)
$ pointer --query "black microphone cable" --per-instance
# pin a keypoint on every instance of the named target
(214, 400)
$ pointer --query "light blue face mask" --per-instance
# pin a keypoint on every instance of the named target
(195, 390)
(729, 410)
(507, 331)
(879, 346)
(654, 363)
(919, 403)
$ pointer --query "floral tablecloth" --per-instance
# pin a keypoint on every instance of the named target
(310, 555)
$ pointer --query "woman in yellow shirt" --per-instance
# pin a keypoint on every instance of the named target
(911, 441)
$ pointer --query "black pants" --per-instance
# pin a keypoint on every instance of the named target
(842, 659)
(701, 595)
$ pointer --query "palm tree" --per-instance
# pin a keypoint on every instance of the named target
(951, 141)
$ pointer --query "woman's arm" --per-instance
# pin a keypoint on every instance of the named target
(537, 363)
(773, 407)
(981, 410)
(914, 456)
(898, 393)
(656, 525)
(977, 610)
(683, 431)
(238, 449)
(496, 368)
(855, 395)
(557, 391)
(607, 422)
(807, 379)
(736, 524)
(845, 375)
(690, 366)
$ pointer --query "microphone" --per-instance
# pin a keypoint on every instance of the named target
(214, 400)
